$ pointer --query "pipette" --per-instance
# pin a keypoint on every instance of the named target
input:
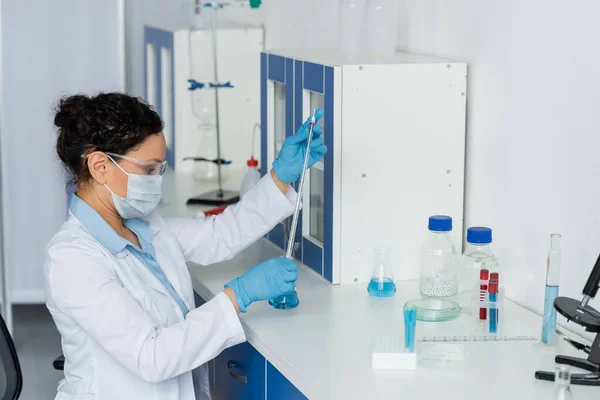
(290, 245)
(290, 300)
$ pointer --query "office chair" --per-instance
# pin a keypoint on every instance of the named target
(11, 379)
(59, 363)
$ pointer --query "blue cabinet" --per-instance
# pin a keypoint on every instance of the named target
(242, 373)
(316, 90)
(277, 123)
(279, 388)
(239, 373)
(307, 86)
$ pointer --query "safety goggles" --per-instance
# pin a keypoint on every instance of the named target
(150, 167)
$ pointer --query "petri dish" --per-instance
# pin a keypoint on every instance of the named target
(434, 310)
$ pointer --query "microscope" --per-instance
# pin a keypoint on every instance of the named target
(588, 317)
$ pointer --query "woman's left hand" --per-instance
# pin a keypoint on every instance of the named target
(289, 163)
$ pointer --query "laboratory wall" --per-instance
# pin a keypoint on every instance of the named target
(533, 95)
(50, 49)
(288, 23)
(532, 127)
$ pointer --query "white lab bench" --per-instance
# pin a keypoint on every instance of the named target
(324, 346)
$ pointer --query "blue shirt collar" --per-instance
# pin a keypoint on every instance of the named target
(102, 231)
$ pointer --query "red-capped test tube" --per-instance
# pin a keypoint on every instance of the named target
(494, 277)
(483, 289)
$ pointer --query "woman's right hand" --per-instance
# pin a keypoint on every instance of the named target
(272, 278)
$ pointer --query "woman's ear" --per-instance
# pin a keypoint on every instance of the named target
(97, 163)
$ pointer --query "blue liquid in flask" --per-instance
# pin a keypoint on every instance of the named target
(549, 324)
(382, 288)
(285, 302)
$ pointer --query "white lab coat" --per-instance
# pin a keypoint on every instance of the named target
(123, 335)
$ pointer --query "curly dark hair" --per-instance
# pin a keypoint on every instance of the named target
(109, 122)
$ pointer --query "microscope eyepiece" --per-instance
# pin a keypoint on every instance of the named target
(591, 286)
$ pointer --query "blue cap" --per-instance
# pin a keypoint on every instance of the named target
(440, 223)
(479, 235)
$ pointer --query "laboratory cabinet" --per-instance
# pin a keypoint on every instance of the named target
(180, 83)
(242, 373)
(277, 87)
(395, 133)
(239, 373)
(278, 387)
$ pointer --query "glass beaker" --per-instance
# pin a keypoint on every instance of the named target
(350, 26)
(382, 25)
(562, 383)
(382, 281)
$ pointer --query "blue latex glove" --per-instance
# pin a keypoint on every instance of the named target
(264, 281)
(288, 166)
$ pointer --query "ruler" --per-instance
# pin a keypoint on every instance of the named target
(477, 338)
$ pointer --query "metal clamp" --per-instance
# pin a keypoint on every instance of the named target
(240, 378)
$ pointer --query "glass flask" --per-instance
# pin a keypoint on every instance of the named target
(562, 383)
(382, 281)
(206, 171)
(285, 302)
(438, 278)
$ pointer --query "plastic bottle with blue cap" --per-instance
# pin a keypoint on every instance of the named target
(477, 256)
(438, 274)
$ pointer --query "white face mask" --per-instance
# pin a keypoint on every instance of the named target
(143, 195)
